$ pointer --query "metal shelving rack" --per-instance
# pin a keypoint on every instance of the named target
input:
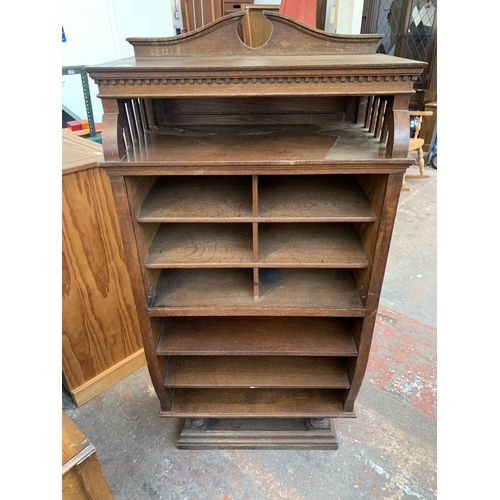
(79, 70)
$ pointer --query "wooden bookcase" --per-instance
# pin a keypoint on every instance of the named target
(256, 204)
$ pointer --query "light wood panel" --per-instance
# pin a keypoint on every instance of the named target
(82, 475)
(100, 331)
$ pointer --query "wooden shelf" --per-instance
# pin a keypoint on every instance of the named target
(196, 245)
(209, 292)
(263, 336)
(194, 199)
(312, 198)
(243, 145)
(318, 245)
(297, 198)
(256, 372)
(213, 403)
(280, 245)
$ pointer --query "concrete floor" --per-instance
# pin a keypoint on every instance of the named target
(387, 452)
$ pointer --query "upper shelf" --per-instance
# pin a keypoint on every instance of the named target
(213, 63)
(177, 148)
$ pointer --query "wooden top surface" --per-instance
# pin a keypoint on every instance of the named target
(73, 439)
(255, 62)
(79, 154)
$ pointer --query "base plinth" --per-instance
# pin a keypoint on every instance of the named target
(257, 434)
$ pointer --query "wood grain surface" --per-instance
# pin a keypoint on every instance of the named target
(82, 475)
(257, 402)
(281, 292)
(195, 245)
(100, 328)
(257, 372)
(194, 199)
(264, 336)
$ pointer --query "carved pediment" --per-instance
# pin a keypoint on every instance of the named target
(288, 37)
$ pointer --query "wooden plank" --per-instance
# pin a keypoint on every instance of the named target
(192, 245)
(211, 145)
(256, 284)
(93, 478)
(282, 291)
(193, 199)
(72, 486)
(263, 336)
(100, 328)
(109, 377)
(257, 372)
(82, 475)
(304, 288)
(268, 119)
(297, 198)
(137, 188)
(306, 198)
(79, 154)
(212, 288)
(295, 245)
(261, 106)
(147, 326)
(280, 245)
(73, 439)
(390, 166)
(213, 403)
(389, 207)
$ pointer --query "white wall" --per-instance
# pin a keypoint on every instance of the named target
(96, 32)
(349, 16)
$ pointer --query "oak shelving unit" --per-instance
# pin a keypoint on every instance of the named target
(256, 207)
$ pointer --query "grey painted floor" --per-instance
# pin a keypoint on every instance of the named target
(387, 452)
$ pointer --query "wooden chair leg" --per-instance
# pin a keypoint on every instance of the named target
(421, 166)
(403, 186)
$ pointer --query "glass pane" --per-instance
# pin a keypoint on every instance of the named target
(423, 13)
(387, 25)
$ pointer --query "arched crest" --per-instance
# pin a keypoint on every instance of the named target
(288, 37)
